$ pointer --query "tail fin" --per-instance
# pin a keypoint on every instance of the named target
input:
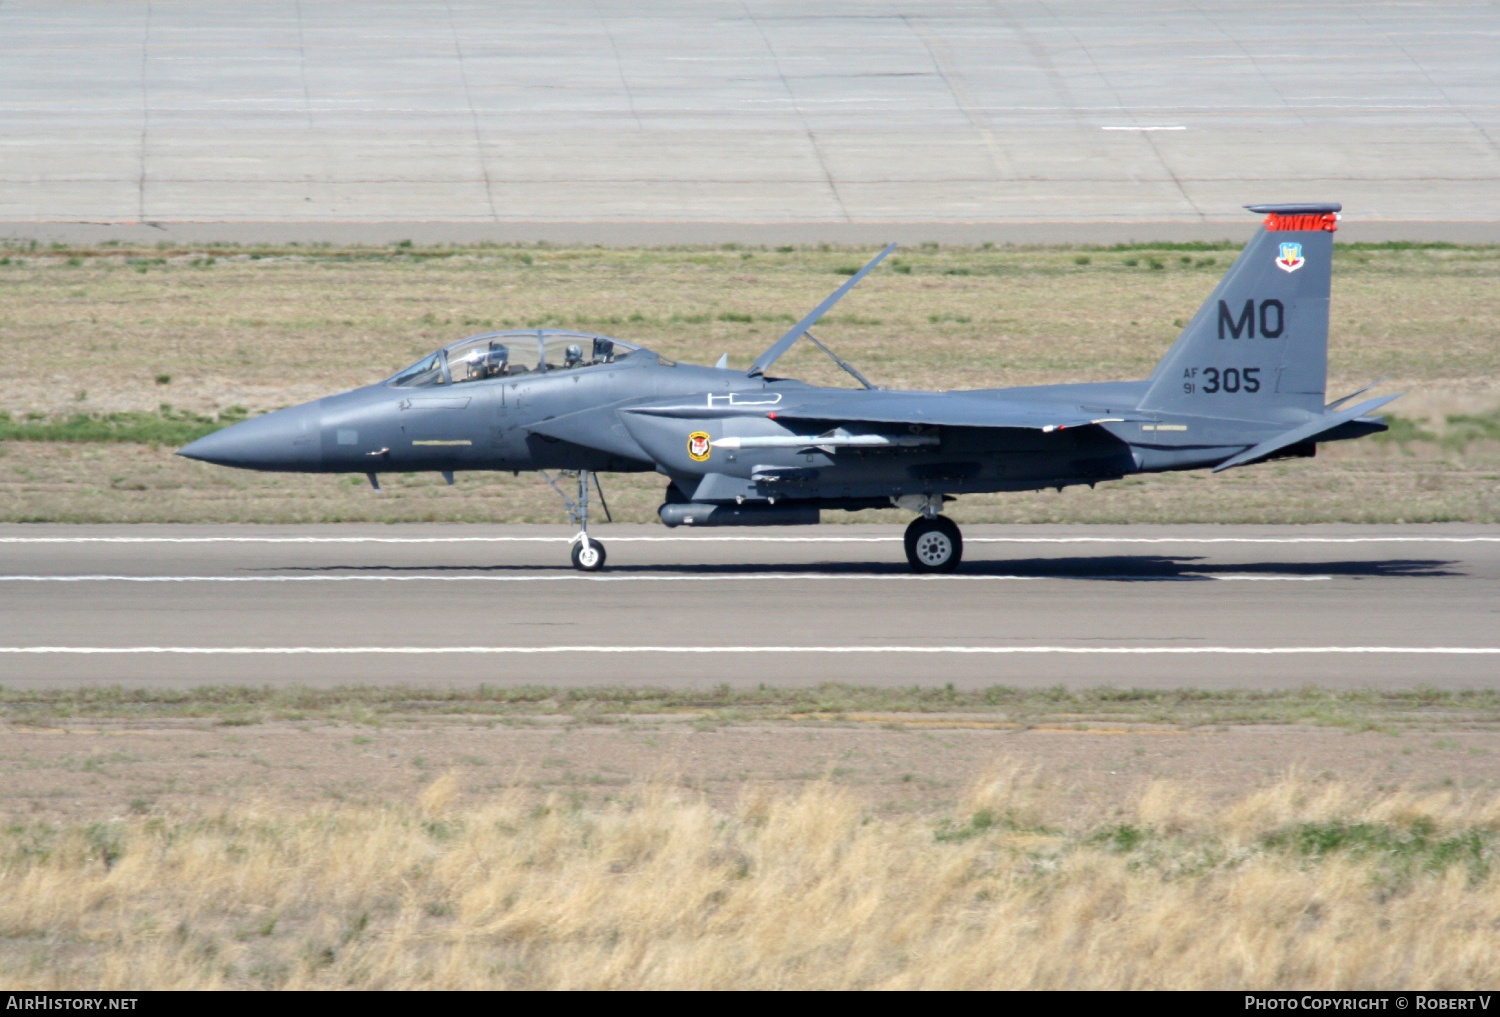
(1259, 345)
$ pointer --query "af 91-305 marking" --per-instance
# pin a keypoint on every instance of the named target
(1226, 379)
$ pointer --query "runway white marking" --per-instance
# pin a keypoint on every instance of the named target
(929, 650)
(579, 577)
(750, 540)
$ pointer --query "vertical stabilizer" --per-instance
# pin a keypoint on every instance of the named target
(1259, 346)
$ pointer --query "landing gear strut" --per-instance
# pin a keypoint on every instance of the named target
(588, 555)
(933, 544)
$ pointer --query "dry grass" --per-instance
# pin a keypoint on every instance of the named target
(95, 328)
(1365, 481)
(107, 330)
(929, 706)
(1298, 885)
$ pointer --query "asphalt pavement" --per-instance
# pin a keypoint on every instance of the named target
(768, 121)
(1389, 607)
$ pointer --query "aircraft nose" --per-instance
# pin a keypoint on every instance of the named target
(284, 440)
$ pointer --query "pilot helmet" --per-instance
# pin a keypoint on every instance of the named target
(574, 355)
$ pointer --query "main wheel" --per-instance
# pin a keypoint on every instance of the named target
(934, 545)
(590, 558)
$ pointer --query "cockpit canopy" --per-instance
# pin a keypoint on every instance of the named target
(507, 354)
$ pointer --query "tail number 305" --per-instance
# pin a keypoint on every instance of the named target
(1209, 380)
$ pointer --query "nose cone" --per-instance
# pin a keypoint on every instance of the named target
(285, 440)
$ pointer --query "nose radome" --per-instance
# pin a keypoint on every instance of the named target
(284, 440)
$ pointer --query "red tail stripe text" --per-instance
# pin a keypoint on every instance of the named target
(1322, 221)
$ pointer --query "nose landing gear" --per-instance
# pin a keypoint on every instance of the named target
(588, 555)
(934, 544)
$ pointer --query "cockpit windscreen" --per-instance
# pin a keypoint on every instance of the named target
(507, 354)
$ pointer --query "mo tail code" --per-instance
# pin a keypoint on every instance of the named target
(1271, 317)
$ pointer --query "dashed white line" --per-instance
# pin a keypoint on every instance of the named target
(926, 650)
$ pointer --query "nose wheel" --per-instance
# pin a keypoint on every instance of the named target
(588, 557)
(934, 545)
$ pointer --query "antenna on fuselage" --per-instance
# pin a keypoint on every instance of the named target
(783, 344)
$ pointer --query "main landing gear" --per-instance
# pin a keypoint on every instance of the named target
(933, 544)
(588, 555)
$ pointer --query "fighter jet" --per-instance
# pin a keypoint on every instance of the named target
(1244, 383)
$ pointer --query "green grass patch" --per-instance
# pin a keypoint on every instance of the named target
(1467, 427)
(1404, 850)
(1401, 430)
(978, 823)
(1122, 839)
(1459, 431)
(1400, 851)
(165, 426)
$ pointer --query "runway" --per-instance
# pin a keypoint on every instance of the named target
(1183, 606)
(765, 122)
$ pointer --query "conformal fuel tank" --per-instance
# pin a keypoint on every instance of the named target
(697, 513)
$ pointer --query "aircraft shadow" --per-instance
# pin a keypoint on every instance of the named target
(1178, 567)
(1113, 568)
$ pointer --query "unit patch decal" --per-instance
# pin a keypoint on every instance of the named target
(1290, 259)
(699, 446)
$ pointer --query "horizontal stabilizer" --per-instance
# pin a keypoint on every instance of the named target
(1306, 208)
(1307, 432)
(1353, 395)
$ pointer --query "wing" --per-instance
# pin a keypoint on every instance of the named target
(878, 406)
(801, 418)
(941, 409)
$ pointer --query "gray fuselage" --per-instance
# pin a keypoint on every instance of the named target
(638, 412)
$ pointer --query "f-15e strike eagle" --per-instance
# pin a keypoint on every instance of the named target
(1242, 384)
